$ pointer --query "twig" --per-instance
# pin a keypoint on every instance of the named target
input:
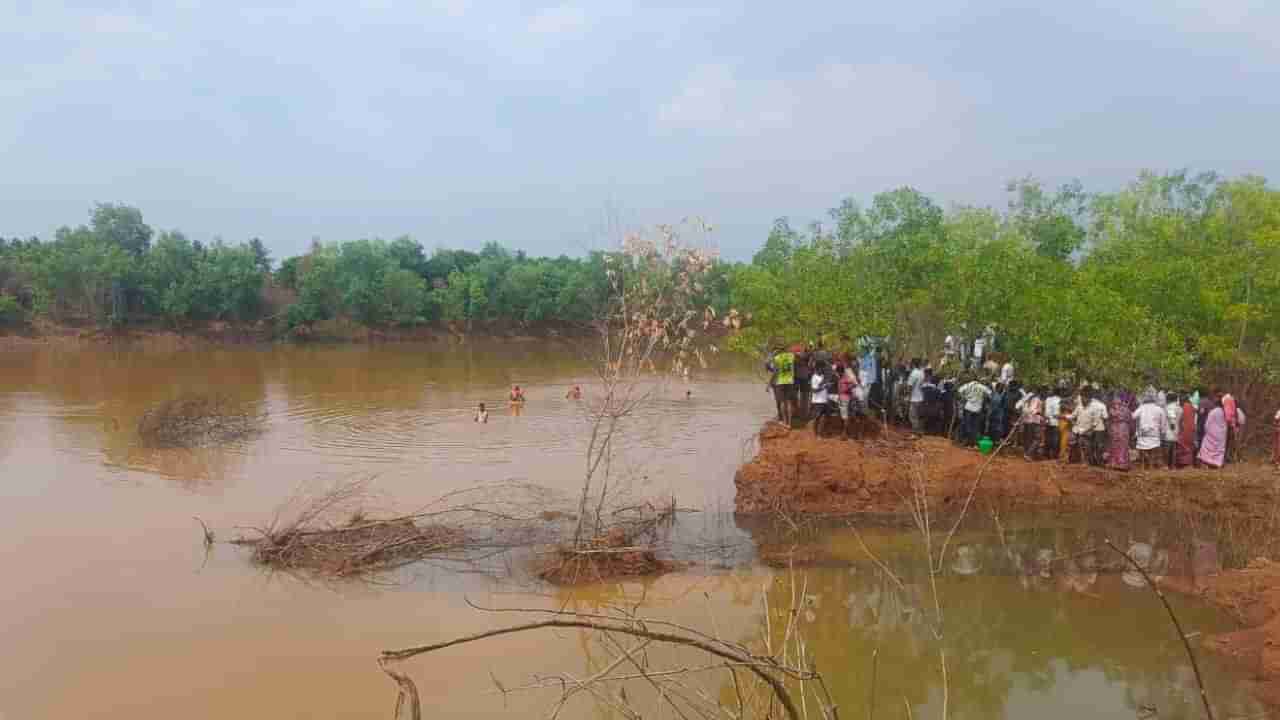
(964, 509)
(779, 689)
(408, 691)
(1204, 696)
(946, 691)
(884, 568)
(875, 667)
(208, 534)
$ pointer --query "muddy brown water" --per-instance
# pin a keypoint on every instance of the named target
(111, 608)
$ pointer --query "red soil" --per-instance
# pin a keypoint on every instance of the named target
(797, 472)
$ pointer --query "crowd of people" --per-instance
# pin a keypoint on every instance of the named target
(986, 404)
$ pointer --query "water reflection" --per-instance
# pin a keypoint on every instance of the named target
(1056, 641)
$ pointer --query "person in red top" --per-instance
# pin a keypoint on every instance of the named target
(516, 400)
(846, 381)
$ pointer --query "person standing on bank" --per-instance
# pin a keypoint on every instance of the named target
(1119, 427)
(974, 394)
(1184, 453)
(1152, 425)
(1089, 426)
(1032, 407)
(783, 378)
(916, 382)
(1213, 447)
(804, 379)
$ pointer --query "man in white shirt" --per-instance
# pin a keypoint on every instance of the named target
(914, 381)
(975, 394)
(819, 404)
(1089, 427)
(1172, 409)
(1152, 425)
(1052, 410)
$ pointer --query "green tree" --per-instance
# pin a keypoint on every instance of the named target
(170, 277)
(229, 282)
(261, 256)
(409, 255)
(122, 226)
(1051, 223)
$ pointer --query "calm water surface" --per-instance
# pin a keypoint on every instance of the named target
(112, 610)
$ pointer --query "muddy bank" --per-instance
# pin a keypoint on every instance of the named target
(1252, 596)
(795, 472)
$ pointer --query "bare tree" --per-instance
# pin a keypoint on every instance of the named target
(652, 326)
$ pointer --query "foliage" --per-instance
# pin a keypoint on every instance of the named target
(1173, 273)
(122, 227)
(11, 312)
(117, 269)
(77, 275)
(261, 257)
(287, 275)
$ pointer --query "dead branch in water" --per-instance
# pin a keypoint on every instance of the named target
(775, 673)
(1182, 635)
(371, 546)
(196, 421)
(331, 534)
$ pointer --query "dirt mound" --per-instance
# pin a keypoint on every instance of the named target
(796, 472)
(610, 556)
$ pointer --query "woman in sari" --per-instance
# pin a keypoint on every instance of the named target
(1184, 451)
(1213, 448)
(1119, 432)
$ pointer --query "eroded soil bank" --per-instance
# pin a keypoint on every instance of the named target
(796, 473)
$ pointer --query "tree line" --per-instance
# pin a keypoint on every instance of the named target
(1171, 274)
(117, 270)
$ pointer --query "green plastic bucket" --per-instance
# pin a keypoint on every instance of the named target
(985, 445)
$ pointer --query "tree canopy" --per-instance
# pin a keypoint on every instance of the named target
(1149, 283)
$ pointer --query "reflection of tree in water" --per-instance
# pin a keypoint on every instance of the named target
(1030, 622)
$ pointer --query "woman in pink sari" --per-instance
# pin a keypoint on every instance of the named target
(1213, 448)
(1119, 429)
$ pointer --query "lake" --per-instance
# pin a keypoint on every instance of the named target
(113, 609)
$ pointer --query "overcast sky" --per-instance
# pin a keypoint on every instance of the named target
(461, 122)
